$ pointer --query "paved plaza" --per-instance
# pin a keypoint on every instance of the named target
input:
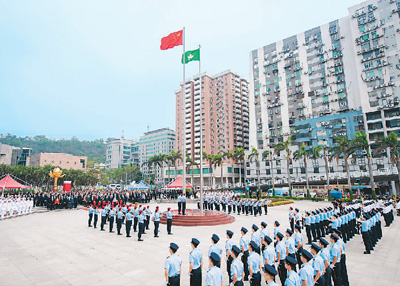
(57, 248)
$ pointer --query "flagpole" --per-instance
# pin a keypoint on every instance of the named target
(201, 144)
(183, 118)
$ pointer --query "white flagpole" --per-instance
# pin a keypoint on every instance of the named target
(201, 143)
(183, 118)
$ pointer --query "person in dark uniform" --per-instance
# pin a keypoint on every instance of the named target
(173, 267)
(195, 263)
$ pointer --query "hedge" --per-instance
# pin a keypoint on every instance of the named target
(280, 203)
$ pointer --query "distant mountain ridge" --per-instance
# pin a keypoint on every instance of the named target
(95, 150)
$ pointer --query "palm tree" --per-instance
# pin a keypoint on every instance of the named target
(190, 164)
(159, 161)
(390, 142)
(285, 146)
(210, 159)
(254, 156)
(343, 148)
(218, 161)
(175, 156)
(231, 155)
(267, 155)
(149, 163)
(302, 154)
(315, 154)
(360, 142)
(167, 160)
(241, 158)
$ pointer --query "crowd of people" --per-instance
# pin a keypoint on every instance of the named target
(15, 205)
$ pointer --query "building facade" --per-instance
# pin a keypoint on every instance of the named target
(62, 160)
(12, 156)
(335, 79)
(121, 153)
(160, 141)
(219, 106)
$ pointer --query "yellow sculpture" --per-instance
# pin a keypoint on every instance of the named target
(56, 173)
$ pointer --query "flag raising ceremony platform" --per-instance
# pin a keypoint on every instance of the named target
(195, 217)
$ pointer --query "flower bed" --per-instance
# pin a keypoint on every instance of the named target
(280, 203)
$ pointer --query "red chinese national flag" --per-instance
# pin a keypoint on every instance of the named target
(172, 40)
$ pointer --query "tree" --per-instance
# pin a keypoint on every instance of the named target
(175, 156)
(343, 149)
(360, 143)
(241, 158)
(168, 160)
(254, 157)
(285, 146)
(218, 161)
(267, 155)
(210, 160)
(302, 154)
(190, 164)
(315, 154)
(231, 155)
(390, 142)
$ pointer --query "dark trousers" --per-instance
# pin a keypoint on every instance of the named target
(256, 279)
(119, 225)
(103, 222)
(96, 218)
(328, 277)
(156, 225)
(245, 265)
(308, 232)
(111, 223)
(320, 281)
(345, 278)
(292, 224)
(195, 278)
(183, 208)
(179, 207)
(135, 222)
(239, 283)
(169, 225)
(366, 239)
(228, 267)
(147, 222)
(265, 209)
(128, 226)
(282, 272)
(337, 275)
(141, 230)
(175, 281)
(313, 232)
(90, 220)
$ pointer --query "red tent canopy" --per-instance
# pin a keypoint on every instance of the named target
(9, 183)
(178, 184)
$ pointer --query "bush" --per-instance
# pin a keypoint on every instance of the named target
(280, 203)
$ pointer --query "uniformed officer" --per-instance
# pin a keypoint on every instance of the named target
(365, 234)
(255, 236)
(244, 246)
(343, 267)
(307, 222)
(276, 230)
(291, 218)
(128, 223)
(147, 213)
(280, 255)
(195, 263)
(111, 216)
(298, 242)
(325, 254)
(269, 275)
(318, 265)
(156, 221)
(290, 249)
(141, 219)
(269, 251)
(293, 278)
(173, 266)
(264, 231)
(214, 246)
(135, 219)
(90, 216)
(169, 221)
(96, 217)
(306, 271)
(334, 260)
(179, 204)
(184, 205)
(228, 250)
(120, 218)
(214, 274)
(236, 276)
(103, 218)
(254, 262)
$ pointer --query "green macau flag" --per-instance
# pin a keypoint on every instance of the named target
(191, 56)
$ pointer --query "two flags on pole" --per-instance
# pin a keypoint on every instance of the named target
(176, 39)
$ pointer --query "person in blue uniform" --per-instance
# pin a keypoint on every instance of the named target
(298, 242)
(214, 246)
(290, 249)
(195, 263)
(214, 274)
(324, 253)
(293, 278)
(334, 252)
(173, 266)
(96, 217)
(147, 212)
(141, 219)
(365, 234)
(307, 222)
(254, 262)
(318, 264)
(269, 275)
(156, 221)
(90, 216)
(280, 255)
(237, 270)
(183, 205)
(111, 216)
(179, 204)
(103, 219)
(228, 250)
(169, 221)
(276, 230)
(244, 246)
(343, 267)
(306, 271)
(255, 236)
(120, 218)
(128, 223)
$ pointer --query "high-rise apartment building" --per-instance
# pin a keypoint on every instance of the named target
(335, 79)
(218, 104)
(121, 153)
(155, 142)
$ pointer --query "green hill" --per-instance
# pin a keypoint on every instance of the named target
(94, 150)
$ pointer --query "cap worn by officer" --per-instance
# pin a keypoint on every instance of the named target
(335, 237)
(289, 231)
(229, 232)
(297, 210)
(323, 242)
(215, 257)
(297, 226)
(291, 261)
(267, 239)
(264, 224)
(243, 229)
(174, 246)
(270, 270)
(280, 235)
(253, 245)
(337, 231)
(315, 247)
(236, 250)
(254, 227)
(277, 223)
(215, 238)
(307, 255)
(195, 242)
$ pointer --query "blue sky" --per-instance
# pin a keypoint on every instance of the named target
(93, 68)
